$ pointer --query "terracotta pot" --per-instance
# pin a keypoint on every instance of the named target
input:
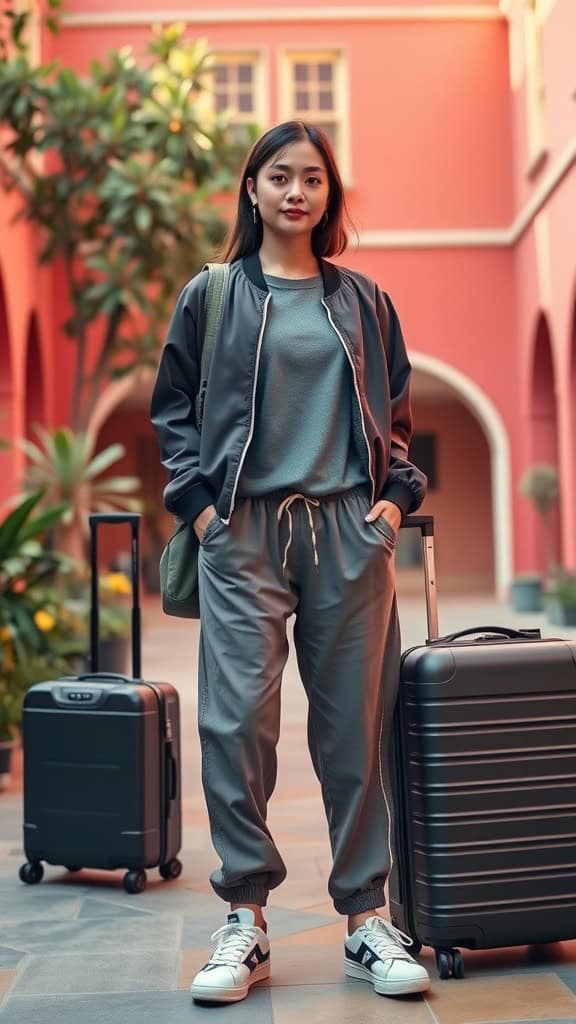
(7, 748)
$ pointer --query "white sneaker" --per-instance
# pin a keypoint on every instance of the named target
(241, 957)
(376, 952)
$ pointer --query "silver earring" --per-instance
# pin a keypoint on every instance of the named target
(254, 210)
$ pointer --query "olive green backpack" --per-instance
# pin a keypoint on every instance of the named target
(179, 560)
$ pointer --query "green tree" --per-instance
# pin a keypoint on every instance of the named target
(122, 171)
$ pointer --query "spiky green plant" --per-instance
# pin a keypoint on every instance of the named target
(65, 467)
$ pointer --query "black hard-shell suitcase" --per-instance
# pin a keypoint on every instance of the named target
(484, 776)
(102, 762)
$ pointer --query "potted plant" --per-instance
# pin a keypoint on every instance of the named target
(10, 714)
(71, 634)
(540, 484)
(561, 599)
(25, 566)
(64, 465)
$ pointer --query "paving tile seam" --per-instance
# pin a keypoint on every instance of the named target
(84, 995)
(18, 970)
(562, 982)
(430, 1010)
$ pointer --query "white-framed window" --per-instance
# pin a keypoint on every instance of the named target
(237, 87)
(314, 87)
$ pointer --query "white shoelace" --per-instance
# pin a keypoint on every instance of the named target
(231, 941)
(388, 941)
(285, 507)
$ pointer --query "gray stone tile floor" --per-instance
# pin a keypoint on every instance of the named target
(78, 950)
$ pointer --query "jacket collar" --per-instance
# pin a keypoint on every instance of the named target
(253, 270)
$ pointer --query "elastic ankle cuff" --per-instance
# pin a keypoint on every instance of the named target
(255, 894)
(370, 899)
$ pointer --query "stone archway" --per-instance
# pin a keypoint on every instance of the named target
(487, 415)
(34, 394)
(6, 400)
(543, 420)
(122, 414)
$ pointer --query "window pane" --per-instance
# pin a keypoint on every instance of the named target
(325, 100)
(301, 72)
(325, 72)
(245, 105)
(220, 74)
(245, 73)
(302, 101)
(221, 102)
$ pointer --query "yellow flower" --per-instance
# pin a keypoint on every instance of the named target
(117, 583)
(44, 621)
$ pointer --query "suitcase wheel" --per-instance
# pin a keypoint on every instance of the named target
(134, 881)
(31, 872)
(450, 963)
(171, 870)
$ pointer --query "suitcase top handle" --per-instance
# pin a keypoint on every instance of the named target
(498, 632)
(95, 520)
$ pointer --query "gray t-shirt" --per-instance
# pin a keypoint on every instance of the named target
(303, 427)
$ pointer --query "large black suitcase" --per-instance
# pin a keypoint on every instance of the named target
(102, 761)
(484, 776)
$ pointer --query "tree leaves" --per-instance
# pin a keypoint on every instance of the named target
(135, 159)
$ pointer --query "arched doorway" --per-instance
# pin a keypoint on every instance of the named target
(133, 393)
(543, 436)
(6, 401)
(122, 413)
(34, 392)
(489, 489)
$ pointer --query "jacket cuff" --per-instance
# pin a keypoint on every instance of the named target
(189, 505)
(399, 495)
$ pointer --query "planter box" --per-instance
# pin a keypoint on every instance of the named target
(7, 748)
(560, 614)
(527, 594)
(114, 653)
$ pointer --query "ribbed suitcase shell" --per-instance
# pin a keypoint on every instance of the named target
(101, 778)
(485, 792)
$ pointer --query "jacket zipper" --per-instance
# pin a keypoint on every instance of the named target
(357, 390)
(253, 414)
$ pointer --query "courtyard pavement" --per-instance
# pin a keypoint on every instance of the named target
(78, 950)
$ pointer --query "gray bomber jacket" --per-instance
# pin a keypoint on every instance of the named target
(205, 469)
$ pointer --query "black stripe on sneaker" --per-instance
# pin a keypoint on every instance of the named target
(364, 956)
(255, 957)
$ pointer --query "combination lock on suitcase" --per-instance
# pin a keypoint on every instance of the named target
(484, 781)
(102, 761)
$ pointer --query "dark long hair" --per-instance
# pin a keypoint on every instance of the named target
(329, 237)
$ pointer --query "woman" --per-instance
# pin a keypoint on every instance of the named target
(296, 490)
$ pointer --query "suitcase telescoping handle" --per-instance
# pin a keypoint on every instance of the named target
(133, 520)
(426, 526)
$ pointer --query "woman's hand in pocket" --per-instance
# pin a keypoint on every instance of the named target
(388, 511)
(201, 522)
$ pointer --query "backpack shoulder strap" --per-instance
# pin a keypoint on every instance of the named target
(218, 274)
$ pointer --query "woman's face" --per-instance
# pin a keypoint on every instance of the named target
(292, 190)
